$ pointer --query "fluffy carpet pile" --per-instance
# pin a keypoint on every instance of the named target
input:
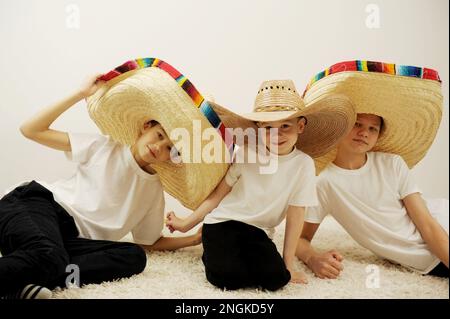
(180, 274)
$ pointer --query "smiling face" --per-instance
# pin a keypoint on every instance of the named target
(364, 135)
(284, 141)
(152, 146)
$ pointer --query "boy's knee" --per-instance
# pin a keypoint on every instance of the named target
(275, 279)
(230, 278)
(136, 258)
(222, 281)
(50, 261)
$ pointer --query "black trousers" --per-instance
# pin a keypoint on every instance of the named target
(237, 255)
(439, 271)
(39, 239)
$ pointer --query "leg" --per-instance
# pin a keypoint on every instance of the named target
(267, 266)
(223, 256)
(439, 271)
(103, 260)
(30, 239)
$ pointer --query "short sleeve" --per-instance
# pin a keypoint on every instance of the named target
(405, 179)
(83, 146)
(304, 191)
(316, 214)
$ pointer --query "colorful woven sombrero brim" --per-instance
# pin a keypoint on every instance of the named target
(408, 98)
(150, 89)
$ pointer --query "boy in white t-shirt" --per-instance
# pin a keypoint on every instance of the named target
(237, 251)
(372, 194)
(46, 227)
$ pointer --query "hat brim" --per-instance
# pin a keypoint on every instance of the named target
(126, 102)
(411, 109)
(328, 121)
(231, 119)
(271, 116)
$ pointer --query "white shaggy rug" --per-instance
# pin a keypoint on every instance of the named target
(180, 274)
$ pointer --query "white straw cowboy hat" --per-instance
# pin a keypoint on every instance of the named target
(408, 98)
(150, 89)
(328, 119)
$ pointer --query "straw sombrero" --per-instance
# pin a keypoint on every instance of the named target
(150, 89)
(408, 98)
(328, 119)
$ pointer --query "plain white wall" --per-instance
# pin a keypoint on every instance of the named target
(226, 48)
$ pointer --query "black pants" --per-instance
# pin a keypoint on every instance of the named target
(237, 255)
(440, 271)
(39, 239)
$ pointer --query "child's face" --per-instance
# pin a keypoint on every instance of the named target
(288, 130)
(364, 135)
(153, 145)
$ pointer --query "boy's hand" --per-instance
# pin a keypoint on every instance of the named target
(298, 277)
(326, 265)
(91, 86)
(175, 223)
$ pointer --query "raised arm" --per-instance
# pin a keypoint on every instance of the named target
(38, 128)
(324, 265)
(212, 201)
(432, 232)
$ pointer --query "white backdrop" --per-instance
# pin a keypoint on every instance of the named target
(226, 48)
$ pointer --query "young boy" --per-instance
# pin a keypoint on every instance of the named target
(372, 193)
(45, 227)
(237, 251)
(362, 187)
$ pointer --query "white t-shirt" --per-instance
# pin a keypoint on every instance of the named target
(110, 195)
(367, 202)
(261, 199)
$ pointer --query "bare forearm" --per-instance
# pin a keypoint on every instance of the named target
(173, 243)
(208, 205)
(42, 121)
(430, 230)
(289, 250)
(437, 241)
(199, 214)
(294, 223)
(304, 250)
